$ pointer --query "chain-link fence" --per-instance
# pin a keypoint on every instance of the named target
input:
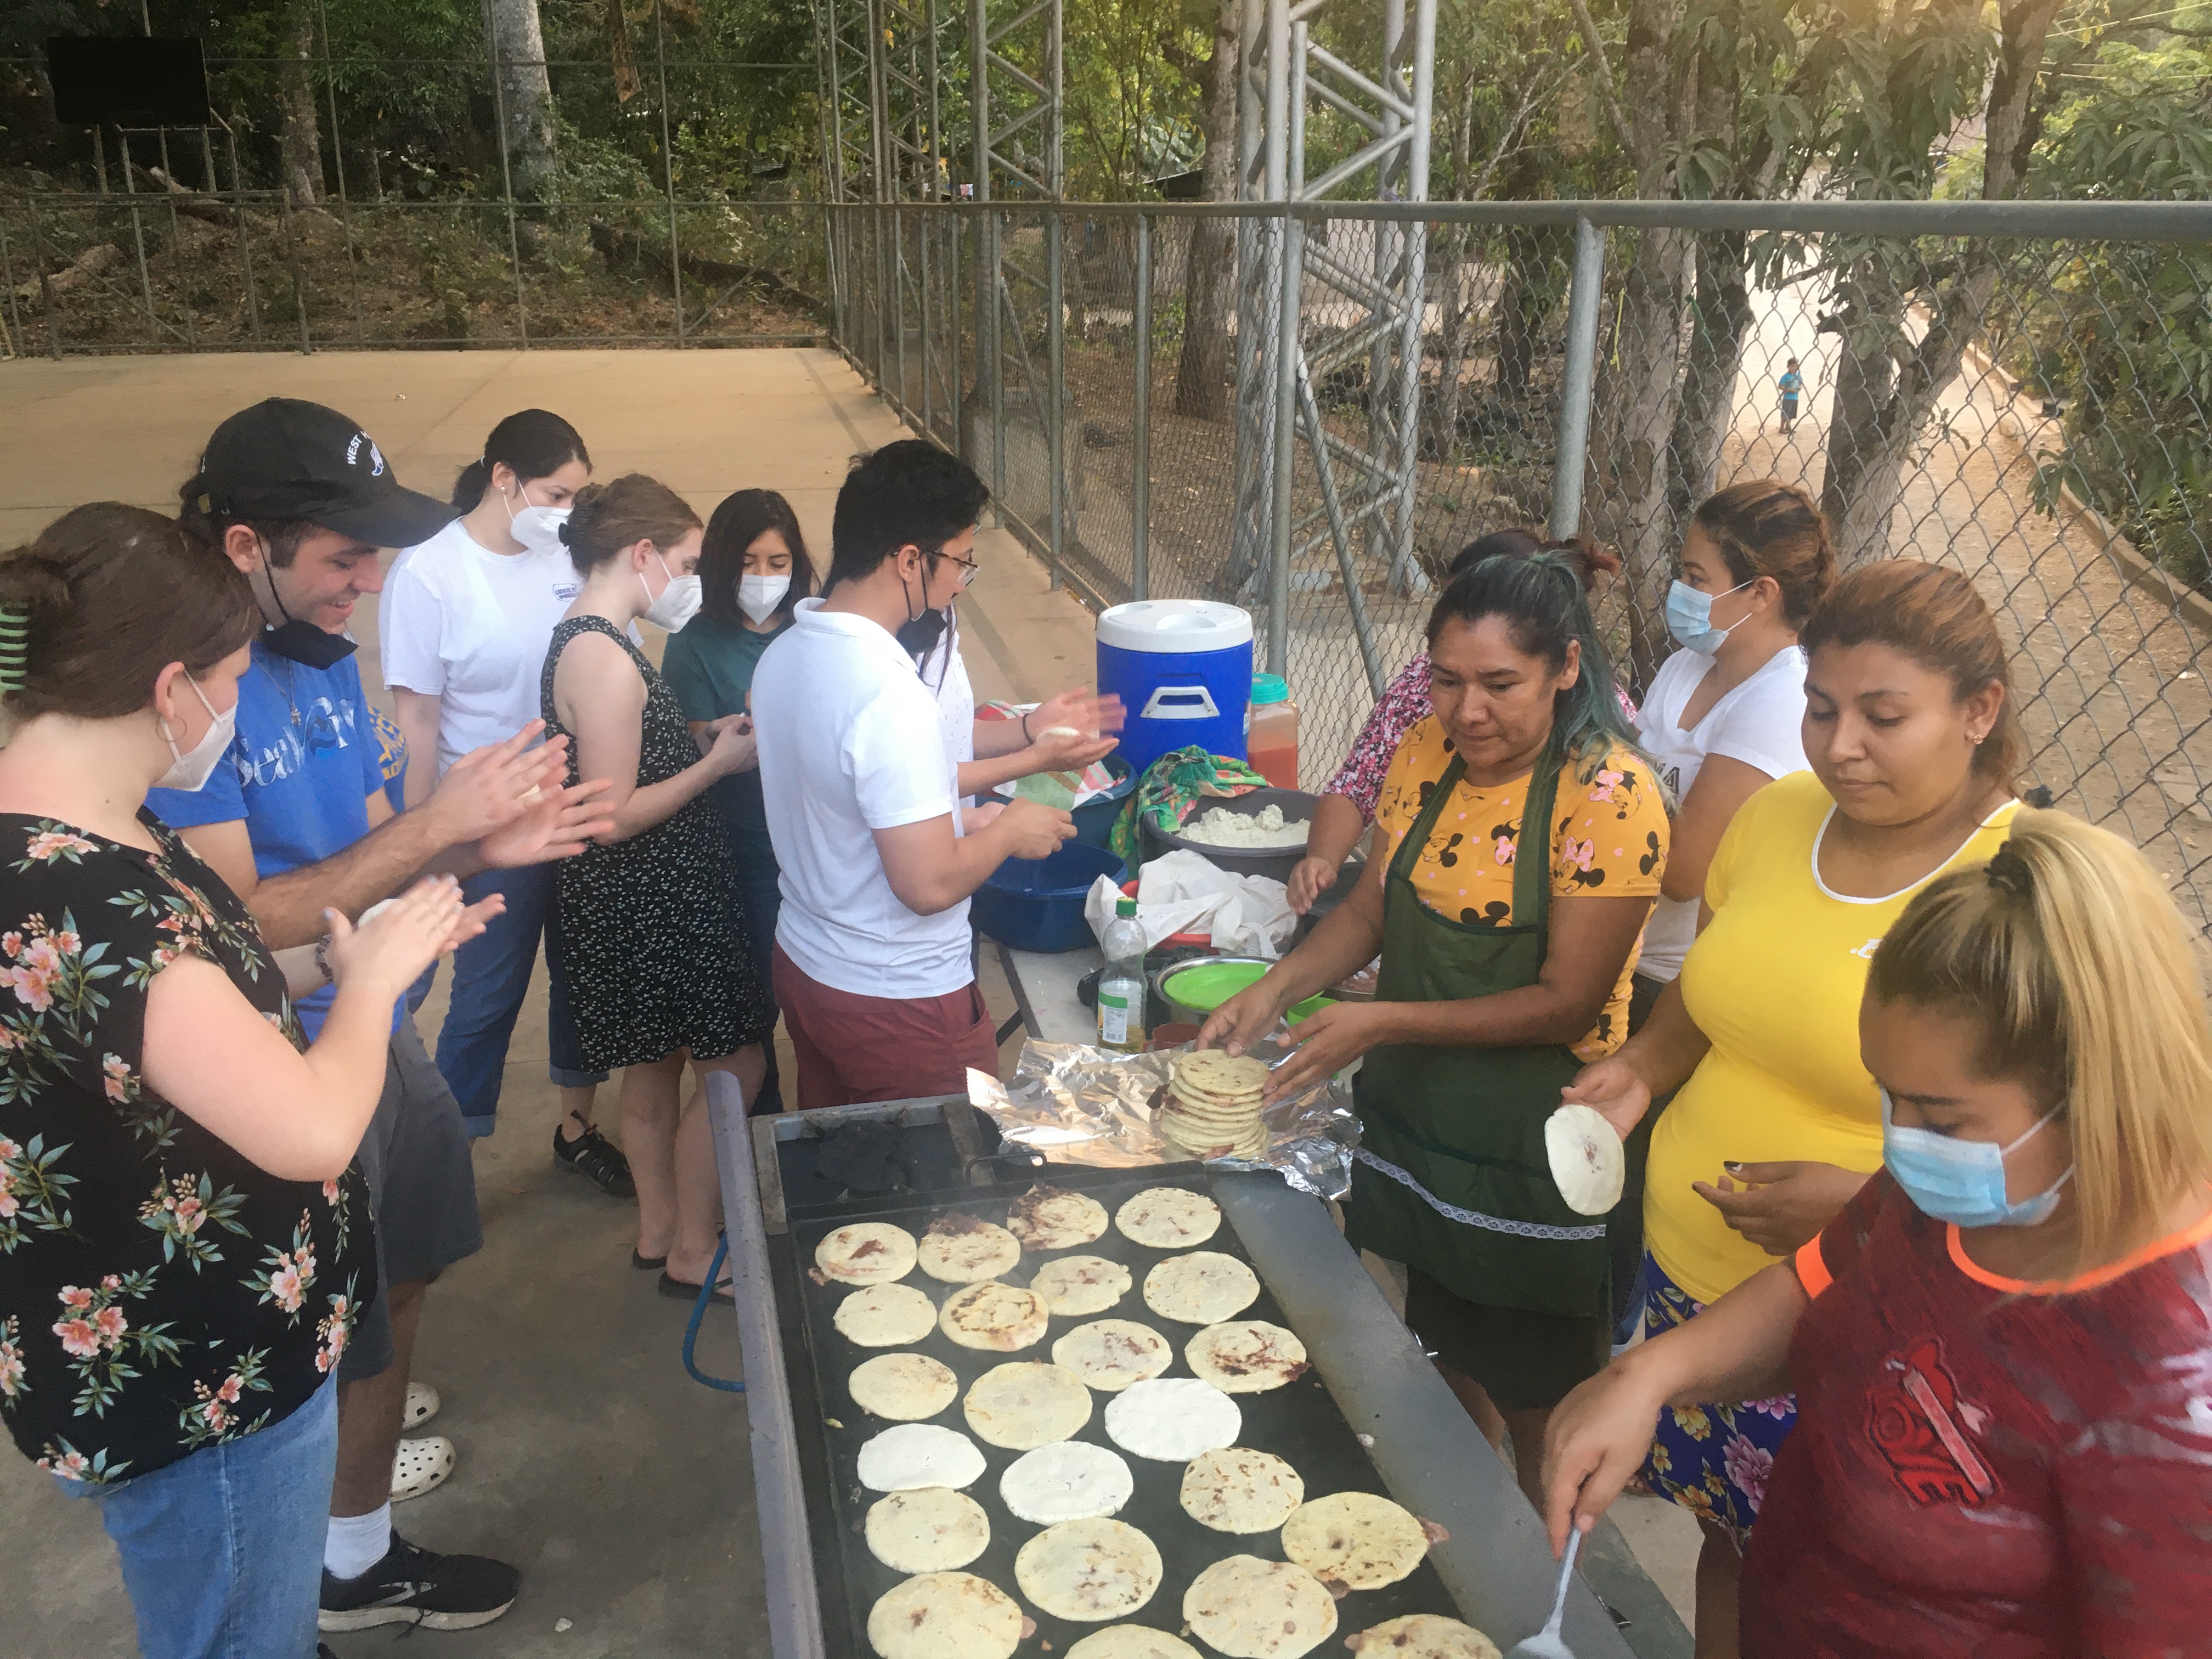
(2018, 390)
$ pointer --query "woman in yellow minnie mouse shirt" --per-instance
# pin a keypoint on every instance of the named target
(1520, 844)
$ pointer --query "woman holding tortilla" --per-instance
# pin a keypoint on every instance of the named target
(1526, 960)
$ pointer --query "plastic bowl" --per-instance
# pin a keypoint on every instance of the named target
(1037, 904)
(1298, 806)
(1191, 990)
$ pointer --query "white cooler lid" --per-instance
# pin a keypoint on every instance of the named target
(1175, 627)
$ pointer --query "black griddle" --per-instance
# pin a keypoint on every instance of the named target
(1299, 1423)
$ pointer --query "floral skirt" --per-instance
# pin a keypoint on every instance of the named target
(1715, 1459)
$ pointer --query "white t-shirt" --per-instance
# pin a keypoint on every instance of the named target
(850, 744)
(470, 628)
(1761, 723)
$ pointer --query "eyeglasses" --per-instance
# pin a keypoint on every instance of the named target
(969, 568)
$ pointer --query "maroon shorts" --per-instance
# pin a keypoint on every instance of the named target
(852, 1048)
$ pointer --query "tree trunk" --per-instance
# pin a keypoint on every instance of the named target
(1632, 426)
(1886, 386)
(300, 140)
(1448, 258)
(517, 45)
(1720, 321)
(1210, 275)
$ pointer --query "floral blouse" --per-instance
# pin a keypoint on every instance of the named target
(158, 1292)
(1608, 837)
(1403, 702)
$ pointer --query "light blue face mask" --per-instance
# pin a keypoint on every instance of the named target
(1963, 1181)
(1690, 617)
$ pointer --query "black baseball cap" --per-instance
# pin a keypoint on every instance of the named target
(287, 458)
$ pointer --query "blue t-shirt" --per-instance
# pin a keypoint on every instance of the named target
(709, 666)
(299, 773)
(1791, 383)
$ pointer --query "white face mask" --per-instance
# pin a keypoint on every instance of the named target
(758, 596)
(193, 770)
(678, 602)
(537, 528)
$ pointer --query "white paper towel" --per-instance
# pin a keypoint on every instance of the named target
(1183, 892)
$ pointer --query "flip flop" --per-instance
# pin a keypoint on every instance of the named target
(647, 1263)
(683, 1292)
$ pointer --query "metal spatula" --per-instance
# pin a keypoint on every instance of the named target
(1545, 1643)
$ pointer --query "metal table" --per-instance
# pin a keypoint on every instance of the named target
(1495, 1563)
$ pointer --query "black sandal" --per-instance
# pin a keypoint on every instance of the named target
(596, 1158)
(671, 1287)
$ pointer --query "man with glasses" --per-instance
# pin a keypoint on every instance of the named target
(859, 708)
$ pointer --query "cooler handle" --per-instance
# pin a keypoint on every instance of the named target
(1173, 703)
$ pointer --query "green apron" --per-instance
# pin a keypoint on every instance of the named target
(1451, 1174)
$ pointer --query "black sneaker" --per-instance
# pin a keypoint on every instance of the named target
(596, 1158)
(412, 1586)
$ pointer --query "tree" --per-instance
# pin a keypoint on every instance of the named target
(1209, 267)
(517, 47)
(300, 139)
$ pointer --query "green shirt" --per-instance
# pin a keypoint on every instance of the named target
(710, 666)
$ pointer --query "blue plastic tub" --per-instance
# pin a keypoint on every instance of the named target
(1037, 904)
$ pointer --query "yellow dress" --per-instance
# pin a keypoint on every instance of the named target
(1607, 839)
(1775, 982)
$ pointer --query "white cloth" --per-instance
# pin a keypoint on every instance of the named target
(470, 628)
(1761, 723)
(944, 672)
(849, 745)
(1183, 892)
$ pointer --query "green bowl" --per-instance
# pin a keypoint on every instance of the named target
(1195, 990)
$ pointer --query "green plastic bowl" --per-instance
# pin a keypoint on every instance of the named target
(1197, 989)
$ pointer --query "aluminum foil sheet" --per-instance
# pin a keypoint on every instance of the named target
(1073, 1103)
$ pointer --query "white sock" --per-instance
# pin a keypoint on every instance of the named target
(356, 1543)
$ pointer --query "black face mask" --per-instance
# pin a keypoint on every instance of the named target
(919, 637)
(303, 642)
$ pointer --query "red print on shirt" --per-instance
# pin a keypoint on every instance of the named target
(1918, 1422)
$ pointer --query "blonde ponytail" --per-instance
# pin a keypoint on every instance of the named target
(2067, 950)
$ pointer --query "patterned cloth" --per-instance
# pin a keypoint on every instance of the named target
(652, 930)
(1714, 1460)
(1404, 702)
(1607, 837)
(1171, 786)
(1986, 1467)
(158, 1291)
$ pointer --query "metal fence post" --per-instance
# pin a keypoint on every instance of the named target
(668, 171)
(1056, 386)
(1576, 384)
(1140, 436)
(506, 168)
(1291, 365)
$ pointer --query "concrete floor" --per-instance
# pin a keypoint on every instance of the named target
(622, 1489)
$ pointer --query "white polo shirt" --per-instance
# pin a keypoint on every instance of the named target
(850, 744)
(470, 627)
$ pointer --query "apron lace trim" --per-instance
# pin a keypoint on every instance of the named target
(1475, 1218)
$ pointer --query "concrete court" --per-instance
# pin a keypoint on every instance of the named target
(621, 1488)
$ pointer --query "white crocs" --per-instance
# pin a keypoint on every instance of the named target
(421, 1466)
(421, 1406)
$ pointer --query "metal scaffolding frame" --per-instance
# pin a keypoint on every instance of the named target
(1365, 494)
(1014, 103)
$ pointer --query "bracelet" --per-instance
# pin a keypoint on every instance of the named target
(323, 959)
(1026, 737)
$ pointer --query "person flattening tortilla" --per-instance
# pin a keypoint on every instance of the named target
(1524, 960)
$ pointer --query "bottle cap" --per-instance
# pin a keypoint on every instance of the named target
(1125, 907)
(1270, 688)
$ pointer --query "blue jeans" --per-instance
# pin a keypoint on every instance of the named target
(762, 899)
(222, 1551)
(491, 976)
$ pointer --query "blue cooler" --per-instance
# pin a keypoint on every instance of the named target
(1183, 670)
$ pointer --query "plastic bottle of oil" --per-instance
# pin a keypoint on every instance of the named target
(1273, 744)
(1121, 982)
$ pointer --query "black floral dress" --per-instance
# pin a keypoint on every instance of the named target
(158, 1291)
(651, 935)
